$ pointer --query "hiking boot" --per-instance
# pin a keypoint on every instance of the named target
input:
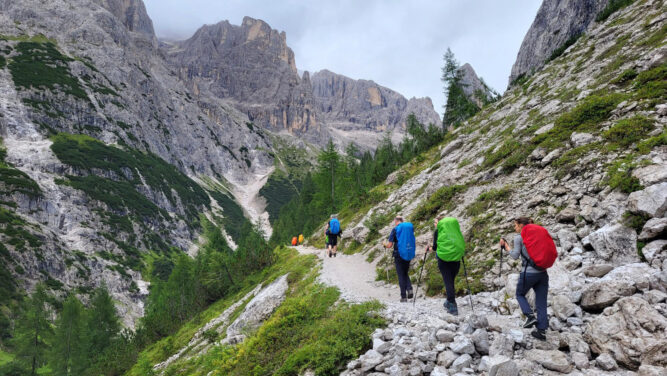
(451, 308)
(530, 321)
(539, 334)
(410, 294)
(404, 300)
(335, 254)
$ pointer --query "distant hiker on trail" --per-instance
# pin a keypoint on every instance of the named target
(449, 245)
(402, 239)
(332, 232)
(300, 239)
(294, 241)
(538, 252)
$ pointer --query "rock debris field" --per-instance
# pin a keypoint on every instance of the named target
(626, 338)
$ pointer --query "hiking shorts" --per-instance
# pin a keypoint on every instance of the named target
(333, 240)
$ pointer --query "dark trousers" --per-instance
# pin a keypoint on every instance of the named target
(449, 270)
(539, 282)
(402, 268)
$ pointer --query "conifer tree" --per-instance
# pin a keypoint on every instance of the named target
(31, 333)
(102, 322)
(65, 357)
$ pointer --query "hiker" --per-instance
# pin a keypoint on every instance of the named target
(538, 252)
(333, 231)
(449, 245)
(300, 239)
(294, 241)
(402, 239)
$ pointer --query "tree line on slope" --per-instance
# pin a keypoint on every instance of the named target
(344, 181)
(89, 341)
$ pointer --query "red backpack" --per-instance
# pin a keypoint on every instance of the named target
(540, 246)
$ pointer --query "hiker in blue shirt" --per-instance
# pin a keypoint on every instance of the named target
(402, 266)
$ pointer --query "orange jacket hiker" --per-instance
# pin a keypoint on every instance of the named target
(294, 240)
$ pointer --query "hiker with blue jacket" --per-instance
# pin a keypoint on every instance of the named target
(402, 240)
(535, 247)
(332, 232)
(449, 245)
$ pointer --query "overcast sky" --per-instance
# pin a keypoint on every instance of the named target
(397, 43)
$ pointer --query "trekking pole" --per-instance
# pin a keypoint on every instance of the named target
(500, 271)
(420, 278)
(465, 272)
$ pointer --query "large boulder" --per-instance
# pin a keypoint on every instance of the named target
(651, 201)
(563, 308)
(550, 359)
(502, 366)
(616, 243)
(257, 310)
(632, 331)
(567, 240)
(654, 228)
(651, 174)
(654, 249)
(603, 293)
(637, 274)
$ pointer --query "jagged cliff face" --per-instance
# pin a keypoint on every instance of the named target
(95, 207)
(555, 23)
(361, 110)
(252, 67)
(473, 87)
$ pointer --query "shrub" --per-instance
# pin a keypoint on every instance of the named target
(619, 175)
(628, 131)
(625, 77)
(507, 148)
(612, 7)
(652, 84)
(584, 117)
(559, 51)
(439, 200)
(487, 199)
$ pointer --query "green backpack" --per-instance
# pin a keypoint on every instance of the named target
(451, 245)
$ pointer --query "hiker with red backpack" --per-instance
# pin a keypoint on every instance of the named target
(538, 253)
(402, 239)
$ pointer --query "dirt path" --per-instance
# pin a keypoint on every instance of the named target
(355, 278)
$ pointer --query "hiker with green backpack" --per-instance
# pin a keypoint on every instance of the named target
(402, 239)
(538, 253)
(449, 245)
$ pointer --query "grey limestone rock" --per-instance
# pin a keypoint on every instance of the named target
(550, 359)
(654, 227)
(614, 242)
(651, 201)
(555, 23)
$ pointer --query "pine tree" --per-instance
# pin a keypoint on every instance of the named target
(459, 107)
(66, 351)
(32, 330)
(102, 322)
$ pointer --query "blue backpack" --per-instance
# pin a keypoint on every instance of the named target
(334, 226)
(405, 234)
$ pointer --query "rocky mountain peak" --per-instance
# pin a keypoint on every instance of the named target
(132, 13)
(555, 23)
(473, 87)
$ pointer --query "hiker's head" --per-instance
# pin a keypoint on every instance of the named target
(333, 216)
(520, 222)
(437, 219)
(398, 220)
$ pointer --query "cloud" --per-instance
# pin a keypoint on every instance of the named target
(396, 43)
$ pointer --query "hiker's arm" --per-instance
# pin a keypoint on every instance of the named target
(516, 250)
(435, 241)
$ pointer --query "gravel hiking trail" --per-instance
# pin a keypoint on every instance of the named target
(355, 278)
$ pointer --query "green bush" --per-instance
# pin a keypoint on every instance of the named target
(506, 149)
(652, 84)
(442, 199)
(487, 200)
(635, 221)
(625, 77)
(628, 131)
(559, 51)
(612, 7)
(647, 145)
(619, 175)
(585, 117)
